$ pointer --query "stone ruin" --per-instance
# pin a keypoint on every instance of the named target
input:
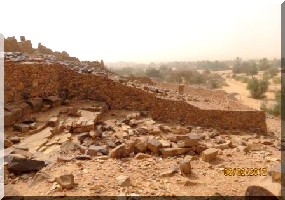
(12, 45)
(25, 46)
(24, 81)
(29, 76)
(40, 80)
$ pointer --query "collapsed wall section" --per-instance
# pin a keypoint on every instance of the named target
(24, 81)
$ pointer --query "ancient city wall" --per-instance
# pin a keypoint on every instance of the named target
(12, 45)
(38, 80)
(25, 46)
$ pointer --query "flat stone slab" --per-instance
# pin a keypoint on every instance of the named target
(36, 104)
(17, 162)
(15, 139)
(62, 158)
(123, 181)
(154, 145)
(209, 154)
(34, 142)
(7, 143)
(83, 157)
(263, 186)
(53, 101)
(53, 122)
(94, 150)
(23, 128)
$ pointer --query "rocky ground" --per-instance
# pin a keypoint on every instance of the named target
(83, 148)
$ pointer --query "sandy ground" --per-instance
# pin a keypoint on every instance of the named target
(244, 94)
(98, 176)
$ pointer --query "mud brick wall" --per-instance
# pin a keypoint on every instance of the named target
(37, 80)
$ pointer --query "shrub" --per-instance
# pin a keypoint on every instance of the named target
(248, 67)
(263, 64)
(266, 76)
(273, 71)
(152, 72)
(276, 108)
(263, 106)
(257, 87)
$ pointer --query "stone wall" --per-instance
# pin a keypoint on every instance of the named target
(27, 81)
(95, 64)
(24, 81)
(25, 46)
(43, 49)
(12, 45)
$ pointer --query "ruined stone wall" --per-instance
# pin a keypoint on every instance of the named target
(27, 81)
(95, 64)
(25, 46)
(43, 49)
(12, 45)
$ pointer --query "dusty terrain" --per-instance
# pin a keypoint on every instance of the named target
(97, 176)
(243, 94)
(109, 136)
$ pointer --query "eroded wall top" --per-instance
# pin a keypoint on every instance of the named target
(25, 46)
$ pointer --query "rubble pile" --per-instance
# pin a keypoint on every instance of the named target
(74, 128)
(80, 133)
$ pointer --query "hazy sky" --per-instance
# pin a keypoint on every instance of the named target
(148, 30)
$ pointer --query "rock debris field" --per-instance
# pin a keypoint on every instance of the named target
(123, 137)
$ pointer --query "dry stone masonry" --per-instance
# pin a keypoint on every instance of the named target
(73, 127)
(31, 83)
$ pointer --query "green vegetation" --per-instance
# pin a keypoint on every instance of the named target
(247, 67)
(270, 73)
(263, 64)
(276, 108)
(257, 87)
(263, 106)
(193, 77)
(177, 71)
(212, 65)
(152, 72)
(273, 71)
(252, 67)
